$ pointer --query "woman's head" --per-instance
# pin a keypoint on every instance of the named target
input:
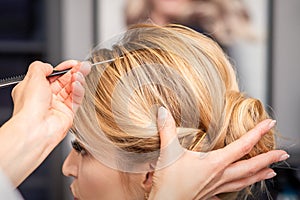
(154, 66)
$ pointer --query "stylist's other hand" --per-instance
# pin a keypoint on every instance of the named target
(196, 175)
(43, 113)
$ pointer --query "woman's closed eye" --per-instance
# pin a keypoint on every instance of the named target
(78, 148)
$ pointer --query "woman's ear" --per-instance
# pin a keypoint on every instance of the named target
(147, 183)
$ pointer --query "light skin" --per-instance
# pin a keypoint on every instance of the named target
(51, 102)
(40, 105)
(218, 170)
(222, 174)
(91, 178)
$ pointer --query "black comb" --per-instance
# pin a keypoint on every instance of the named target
(16, 79)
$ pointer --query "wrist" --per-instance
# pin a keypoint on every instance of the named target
(28, 148)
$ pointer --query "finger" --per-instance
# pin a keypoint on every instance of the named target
(170, 146)
(64, 79)
(85, 68)
(166, 127)
(246, 168)
(240, 184)
(60, 83)
(40, 69)
(67, 65)
(77, 95)
(64, 93)
(243, 146)
(36, 70)
(81, 70)
(78, 76)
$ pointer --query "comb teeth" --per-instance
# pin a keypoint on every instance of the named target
(11, 80)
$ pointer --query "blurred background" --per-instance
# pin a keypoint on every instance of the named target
(261, 37)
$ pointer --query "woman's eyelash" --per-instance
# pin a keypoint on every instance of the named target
(78, 148)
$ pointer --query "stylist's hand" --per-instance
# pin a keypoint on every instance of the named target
(50, 104)
(196, 175)
(43, 112)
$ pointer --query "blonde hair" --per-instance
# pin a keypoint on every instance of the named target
(171, 66)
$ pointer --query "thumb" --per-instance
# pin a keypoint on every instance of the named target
(39, 69)
(166, 127)
(170, 149)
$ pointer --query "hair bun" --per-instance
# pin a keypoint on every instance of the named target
(243, 114)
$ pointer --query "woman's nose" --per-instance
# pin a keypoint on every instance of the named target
(70, 166)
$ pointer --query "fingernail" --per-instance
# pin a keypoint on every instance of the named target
(270, 175)
(162, 116)
(79, 74)
(284, 157)
(162, 113)
(73, 62)
(272, 123)
(85, 67)
(77, 84)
